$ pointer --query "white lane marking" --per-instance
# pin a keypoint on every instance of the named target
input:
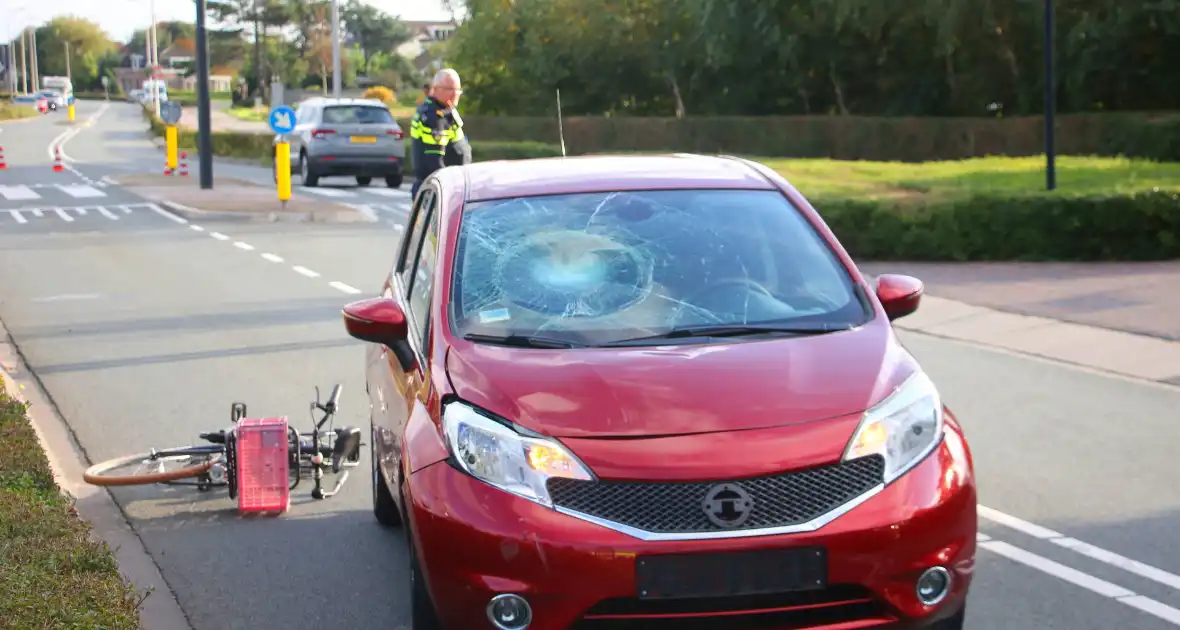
(18, 216)
(18, 193)
(81, 211)
(328, 192)
(1111, 558)
(305, 271)
(340, 286)
(219, 236)
(108, 214)
(197, 228)
(64, 216)
(1084, 580)
(38, 213)
(89, 123)
(125, 209)
(366, 210)
(245, 246)
(66, 296)
(80, 191)
(164, 213)
(272, 258)
(389, 192)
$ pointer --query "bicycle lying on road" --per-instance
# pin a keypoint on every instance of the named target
(249, 459)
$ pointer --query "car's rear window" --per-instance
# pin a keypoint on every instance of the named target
(357, 114)
(600, 267)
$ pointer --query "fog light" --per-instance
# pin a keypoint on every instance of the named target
(509, 612)
(933, 585)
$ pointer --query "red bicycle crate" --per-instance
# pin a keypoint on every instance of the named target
(263, 482)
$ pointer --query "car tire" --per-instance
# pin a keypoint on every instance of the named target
(306, 175)
(393, 181)
(363, 180)
(423, 615)
(384, 506)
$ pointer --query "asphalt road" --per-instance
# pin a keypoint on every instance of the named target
(144, 330)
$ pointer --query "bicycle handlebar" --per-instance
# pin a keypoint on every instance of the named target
(333, 399)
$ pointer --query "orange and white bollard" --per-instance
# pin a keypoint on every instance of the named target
(57, 167)
(183, 165)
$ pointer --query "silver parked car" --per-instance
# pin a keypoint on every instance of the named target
(346, 136)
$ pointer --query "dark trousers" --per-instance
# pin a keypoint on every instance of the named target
(414, 190)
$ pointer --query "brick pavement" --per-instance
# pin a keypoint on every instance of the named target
(1140, 298)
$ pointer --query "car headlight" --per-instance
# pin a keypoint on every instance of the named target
(494, 453)
(904, 428)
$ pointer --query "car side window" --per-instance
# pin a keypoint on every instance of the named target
(420, 291)
(413, 237)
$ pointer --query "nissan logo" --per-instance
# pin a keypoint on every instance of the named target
(727, 505)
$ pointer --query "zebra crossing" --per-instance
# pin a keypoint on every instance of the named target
(345, 193)
(34, 192)
(114, 212)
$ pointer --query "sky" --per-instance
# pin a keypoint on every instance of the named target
(122, 17)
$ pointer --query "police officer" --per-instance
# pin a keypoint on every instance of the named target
(436, 130)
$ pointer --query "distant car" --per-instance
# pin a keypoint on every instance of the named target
(346, 137)
(655, 392)
(135, 96)
(39, 103)
(54, 98)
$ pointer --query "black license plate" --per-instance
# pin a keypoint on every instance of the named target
(731, 574)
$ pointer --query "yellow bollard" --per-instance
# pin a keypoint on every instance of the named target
(283, 170)
(70, 111)
(170, 138)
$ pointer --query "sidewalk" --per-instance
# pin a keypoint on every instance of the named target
(221, 121)
(1115, 317)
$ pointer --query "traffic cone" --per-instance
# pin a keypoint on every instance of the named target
(57, 167)
(183, 165)
(167, 169)
(3, 164)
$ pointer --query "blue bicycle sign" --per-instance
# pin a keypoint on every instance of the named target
(282, 119)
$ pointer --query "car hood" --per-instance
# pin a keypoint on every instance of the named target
(682, 389)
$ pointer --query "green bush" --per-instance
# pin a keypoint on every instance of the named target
(1029, 227)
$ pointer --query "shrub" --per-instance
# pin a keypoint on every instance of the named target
(381, 93)
(1031, 227)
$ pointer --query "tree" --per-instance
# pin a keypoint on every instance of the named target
(372, 29)
(88, 45)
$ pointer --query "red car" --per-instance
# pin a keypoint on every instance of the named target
(655, 392)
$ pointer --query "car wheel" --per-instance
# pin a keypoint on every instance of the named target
(363, 180)
(423, 615)
(393, 181)
(309, 178)
(384, 507)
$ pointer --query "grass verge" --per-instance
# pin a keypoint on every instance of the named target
(54, 575)
(13, 112)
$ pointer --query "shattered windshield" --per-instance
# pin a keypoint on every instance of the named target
(594, 268)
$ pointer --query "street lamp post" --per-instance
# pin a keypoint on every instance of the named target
(1050, 97)
(336, 78)
(155, 54)
(34, 63)
(204, 139)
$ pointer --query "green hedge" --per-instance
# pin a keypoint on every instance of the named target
(1033, 227)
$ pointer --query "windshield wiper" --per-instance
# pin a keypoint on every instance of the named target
(737, 330)
(522, 341)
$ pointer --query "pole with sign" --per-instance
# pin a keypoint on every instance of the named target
(282, 122)
(170, 113)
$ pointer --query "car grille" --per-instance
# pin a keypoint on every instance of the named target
(780, 500)
(839, 605)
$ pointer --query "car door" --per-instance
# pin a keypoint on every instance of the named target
(410, 285)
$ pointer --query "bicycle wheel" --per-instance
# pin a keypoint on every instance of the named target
(155, 467)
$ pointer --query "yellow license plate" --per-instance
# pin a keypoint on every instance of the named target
(363, 139)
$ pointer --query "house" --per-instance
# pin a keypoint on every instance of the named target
(426, 33)
(174, 63)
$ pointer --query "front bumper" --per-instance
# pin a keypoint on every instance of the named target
(475, 541)
(377, 166)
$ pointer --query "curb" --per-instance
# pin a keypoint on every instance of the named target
(338, 215)
(159, 609)
(17, 121)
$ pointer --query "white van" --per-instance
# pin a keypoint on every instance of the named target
(159, 86)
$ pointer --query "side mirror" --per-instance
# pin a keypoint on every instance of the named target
(379, 320)
(900, 295)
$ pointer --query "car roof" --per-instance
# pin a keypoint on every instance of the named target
(499, 179)
(331, 100)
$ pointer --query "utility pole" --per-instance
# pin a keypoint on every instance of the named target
(155, 60)
(204, 139)
(36, 63)
(1050, 105)
(68, 74)
(24, 68)
(336, 78)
